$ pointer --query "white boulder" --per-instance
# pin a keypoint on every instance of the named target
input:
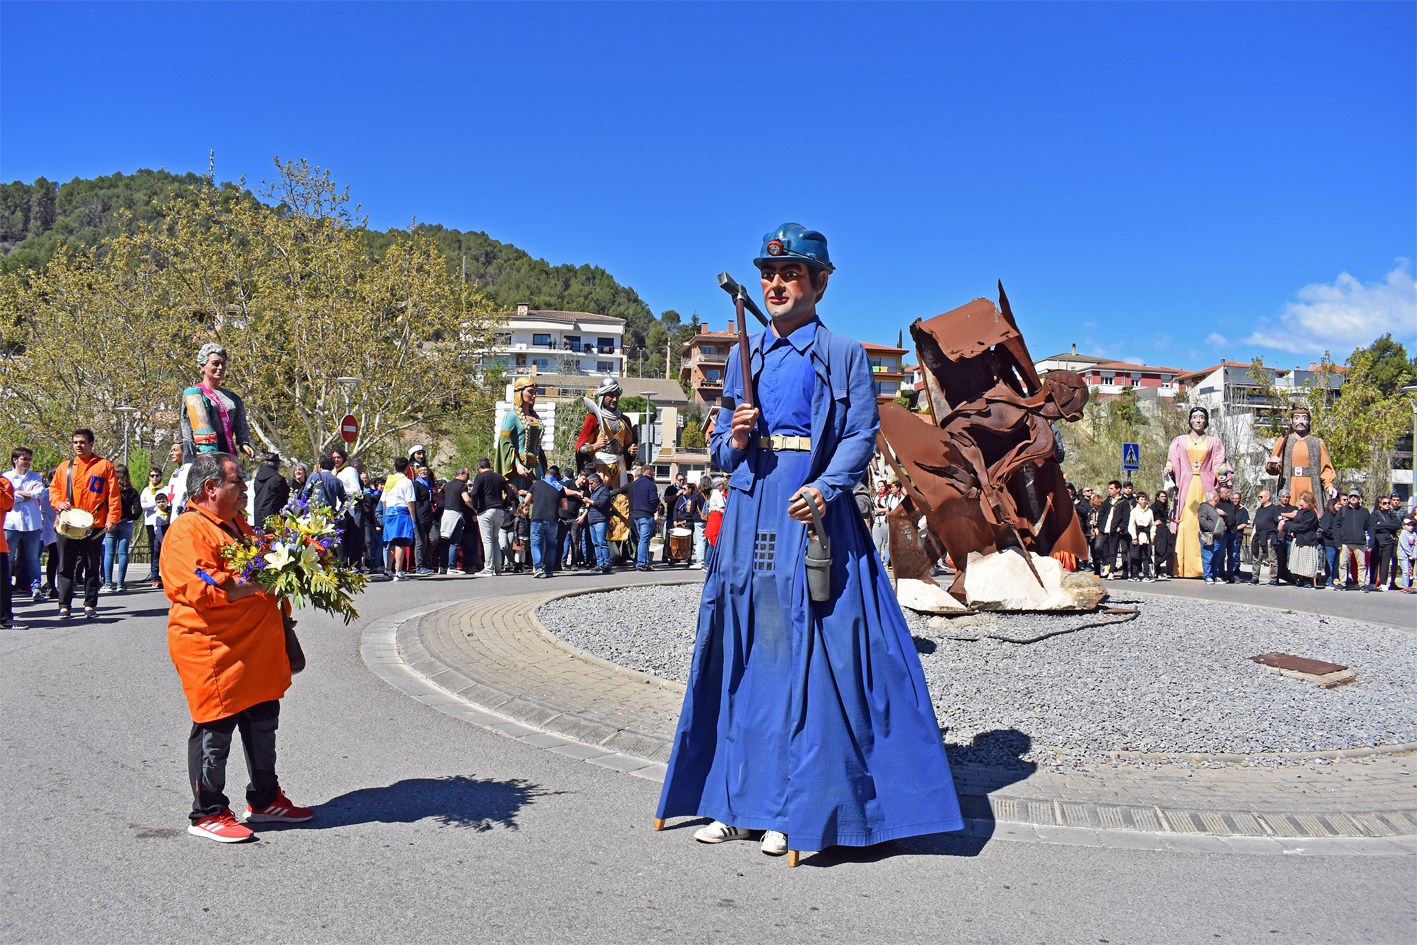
(1003, 581)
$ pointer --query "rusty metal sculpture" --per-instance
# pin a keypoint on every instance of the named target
(985, 474)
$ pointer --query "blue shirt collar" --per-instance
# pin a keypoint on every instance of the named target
(801, 339)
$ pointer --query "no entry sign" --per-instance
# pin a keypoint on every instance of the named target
(349, 428)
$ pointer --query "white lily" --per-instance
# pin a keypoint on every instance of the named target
(309, 559)
(278, 557)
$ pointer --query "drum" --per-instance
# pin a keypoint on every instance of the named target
(74, 523)
(681, 543)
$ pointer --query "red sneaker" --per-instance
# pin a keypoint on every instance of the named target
(279, 811)
(223, 828)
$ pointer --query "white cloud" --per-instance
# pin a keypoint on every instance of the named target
(1134, 360)
(1217, 339)
(1344, 315)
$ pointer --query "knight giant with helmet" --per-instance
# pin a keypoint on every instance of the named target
(608, 444)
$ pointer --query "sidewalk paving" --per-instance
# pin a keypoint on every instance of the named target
(492, 656)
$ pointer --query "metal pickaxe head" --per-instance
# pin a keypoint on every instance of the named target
(726, 283)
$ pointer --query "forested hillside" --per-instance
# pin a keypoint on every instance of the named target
(510, 275)
(36, 218)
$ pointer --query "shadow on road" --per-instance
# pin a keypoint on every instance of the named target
(454, 801)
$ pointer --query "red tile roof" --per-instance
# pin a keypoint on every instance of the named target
(1128, 366)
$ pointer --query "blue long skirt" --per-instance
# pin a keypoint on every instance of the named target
(808, 718)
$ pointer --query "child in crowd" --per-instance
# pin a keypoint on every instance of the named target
(1406, 555)
(162, 508)
(1142, 527)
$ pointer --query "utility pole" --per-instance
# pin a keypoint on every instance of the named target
(668, 349)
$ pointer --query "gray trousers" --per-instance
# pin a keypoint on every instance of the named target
(1265, 553)
(881, 537)
(207, 750)
(489, 523)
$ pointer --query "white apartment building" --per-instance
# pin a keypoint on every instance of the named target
(560, 343)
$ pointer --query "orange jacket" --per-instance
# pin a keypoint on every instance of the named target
(95, 490)
(7, 502)
(230, 656)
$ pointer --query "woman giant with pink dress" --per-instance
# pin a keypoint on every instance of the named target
(1197, 462)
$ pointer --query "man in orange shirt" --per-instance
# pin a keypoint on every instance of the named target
(227, 641)
(85, 482)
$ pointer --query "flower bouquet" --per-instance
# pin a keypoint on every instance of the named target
(1223, 474)
(296, 560)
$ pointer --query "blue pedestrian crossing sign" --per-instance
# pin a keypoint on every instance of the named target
(1131, 456)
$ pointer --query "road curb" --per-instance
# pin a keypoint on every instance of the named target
(394, 649)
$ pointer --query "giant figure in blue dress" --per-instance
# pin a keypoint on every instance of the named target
(808, 721)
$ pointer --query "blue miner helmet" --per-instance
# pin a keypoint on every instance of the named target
(795, 241)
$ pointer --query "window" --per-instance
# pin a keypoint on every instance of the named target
(542, 364)
(606, 345)
(661, 473)
(605, 367)
(573, 342)
(543, 341)
(490, 363)
(503, 338)
(887, 389)
(709, 349)
(1166, 382)
(1107, 379)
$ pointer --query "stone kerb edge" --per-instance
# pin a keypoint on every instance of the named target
(575, 651)
(1276, 610)
(380, 649)
(1119, 754)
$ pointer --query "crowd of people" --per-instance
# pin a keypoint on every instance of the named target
(404, 525)
(1340, 544)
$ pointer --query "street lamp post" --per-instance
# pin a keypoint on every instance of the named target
(648, 395)
(127, 413)
(1412, 486)
(349, 384)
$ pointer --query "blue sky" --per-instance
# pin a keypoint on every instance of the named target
(1170, 183)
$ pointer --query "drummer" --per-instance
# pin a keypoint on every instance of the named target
(686, 514)
(87, 483)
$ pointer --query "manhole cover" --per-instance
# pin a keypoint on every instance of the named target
(1328, 675)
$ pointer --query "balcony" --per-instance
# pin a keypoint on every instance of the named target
(711, 358)
(575, 347)
(715, 383)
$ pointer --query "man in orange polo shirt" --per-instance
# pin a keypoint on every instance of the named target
(88, 482)
(227, 640)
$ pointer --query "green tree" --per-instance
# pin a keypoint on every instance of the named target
(287, 286)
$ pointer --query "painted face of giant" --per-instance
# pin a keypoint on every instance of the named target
(1300, 421)
(1199, 421)
(788, 291)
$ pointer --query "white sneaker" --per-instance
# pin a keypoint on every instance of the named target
(718, 831)
(774, 843)
(457, 571)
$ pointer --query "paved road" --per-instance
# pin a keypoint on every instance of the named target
(430, 829)
(1389, 608)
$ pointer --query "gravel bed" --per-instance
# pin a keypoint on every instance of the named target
(1174, 679)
